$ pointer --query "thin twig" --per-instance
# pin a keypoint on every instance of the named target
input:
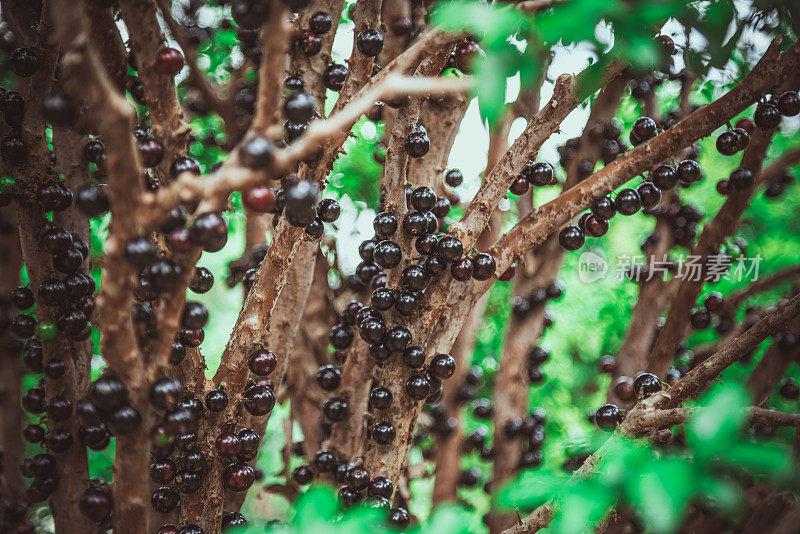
(231, 177)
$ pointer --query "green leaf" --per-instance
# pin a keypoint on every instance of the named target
(661, 492)
(491, 87)
(530, 68)
(317, 505)
(591, 77)
(495, 26)
(529, 490)
(572, 21)
(491, 22)
(715, 428)
(760, 458)
(447, 518)
(697, 61)
(621, 457)
(356, 174)
(361, 519)
(637, 49)
(584, 506)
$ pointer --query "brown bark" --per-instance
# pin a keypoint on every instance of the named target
(448, 453)
(310, 69)
(274, 35)
(396, 167)
(210, 93)
(698, 377)
(282, 336)
(114, 119)
(357, 374)
(673, 416)
(441, 118)
(273, 310)
(448, 457)
(331, 132)
(770, 71)
(397, 160)
(393, 44)
(436, 305)
(367, 15)
(772, 367)
(105, 35)
(166, 115)
(511, 381)
(305, 394)
(495, 186)
(76, 354)
(254, 319)
(72, 466)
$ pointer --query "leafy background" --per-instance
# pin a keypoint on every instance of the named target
(590, 319)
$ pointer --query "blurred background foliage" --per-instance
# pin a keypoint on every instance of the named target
(590, 320)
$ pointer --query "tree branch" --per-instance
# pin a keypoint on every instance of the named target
(274, 36)
(532, 230)
(232, 177)
(674, 416)
(210, 93)
(310, 69)
(780, 165)
(258, 307)
(359, 70)
(395, 169)
(722, 226)
(442, 119)
(166, 114)
(281, 336)
(11, 372)
(654, 295)
(765, 283)
(105, 34)
(84, 76)
(697, 378)
(495, 186)
(448, 457)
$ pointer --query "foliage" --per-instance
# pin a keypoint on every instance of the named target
(357, 173)
(659, 484)
(517, 44)
(318, 511)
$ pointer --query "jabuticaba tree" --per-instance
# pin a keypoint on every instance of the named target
(183, 256)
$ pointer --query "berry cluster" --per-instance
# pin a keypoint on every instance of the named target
(628, 201)
(604, 137)
(684, 219)
(357, 486)
(537, 173)
(398, 305)
(608, 416)
(530, 430)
